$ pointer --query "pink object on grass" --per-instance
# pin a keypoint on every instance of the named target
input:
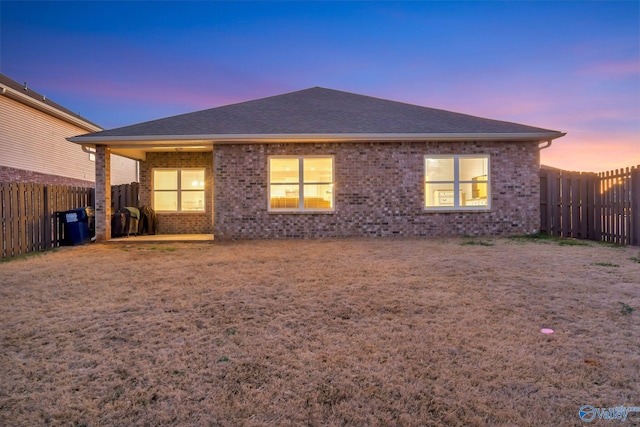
(546, 331)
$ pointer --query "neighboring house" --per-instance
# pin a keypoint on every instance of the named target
(34, 146)
(326, 163)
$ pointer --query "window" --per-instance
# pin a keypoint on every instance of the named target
(300, 184)
(178, 190)
(457, 182)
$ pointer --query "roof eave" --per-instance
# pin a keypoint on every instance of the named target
(48, 109)
(172, 140)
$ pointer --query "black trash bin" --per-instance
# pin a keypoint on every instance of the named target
(78, 225)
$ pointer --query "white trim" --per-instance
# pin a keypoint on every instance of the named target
(301, 209)
(456, 183)
(48, 109)
(178, 191)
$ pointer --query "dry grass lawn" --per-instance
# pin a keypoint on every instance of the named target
(357, 332)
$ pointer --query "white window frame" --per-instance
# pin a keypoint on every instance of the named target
(179, 190)
(456, 182)
(301, 208)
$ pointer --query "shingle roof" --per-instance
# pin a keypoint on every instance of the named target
(25, 90)
(316, 111)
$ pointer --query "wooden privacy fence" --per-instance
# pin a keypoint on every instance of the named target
(28, 214)
(595, 206)
(124, 195)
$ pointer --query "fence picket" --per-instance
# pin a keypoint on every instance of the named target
(583, 200)
(597, 202)
(576, 204)
(626, 208)
(28, 216)
(607, 218)
(47, 241)
(554, 203)
(565, 206)
(14, 218)
(545, 202)
(53, 207)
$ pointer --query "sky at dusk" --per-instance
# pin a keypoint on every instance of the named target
(570, 66)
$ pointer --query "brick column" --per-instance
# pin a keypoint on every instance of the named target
(103, 193)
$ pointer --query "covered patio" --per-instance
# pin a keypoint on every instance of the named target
(177, 225)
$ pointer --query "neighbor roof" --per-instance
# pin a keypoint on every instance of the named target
(22, 93)
(318, 114)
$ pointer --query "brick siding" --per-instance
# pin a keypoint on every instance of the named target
(103, 194)
(379, 191)
(179, 223)
(8, 174)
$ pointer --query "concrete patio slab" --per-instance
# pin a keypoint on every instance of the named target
(156, 238)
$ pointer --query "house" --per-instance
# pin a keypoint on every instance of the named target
(34, 146)
(326, 163)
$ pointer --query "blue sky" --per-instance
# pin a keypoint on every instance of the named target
(571, 66)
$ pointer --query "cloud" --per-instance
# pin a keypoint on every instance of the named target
(613, 69)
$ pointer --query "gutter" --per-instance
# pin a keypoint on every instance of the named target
(214, 139)
(549, 142)
(47, 109)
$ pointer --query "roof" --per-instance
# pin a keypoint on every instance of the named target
(316, 114)
(22, 93)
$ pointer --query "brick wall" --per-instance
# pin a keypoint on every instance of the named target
(8, 174)
(179, 223)
(379, 191)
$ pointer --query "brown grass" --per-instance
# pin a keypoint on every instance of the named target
(331, 332)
